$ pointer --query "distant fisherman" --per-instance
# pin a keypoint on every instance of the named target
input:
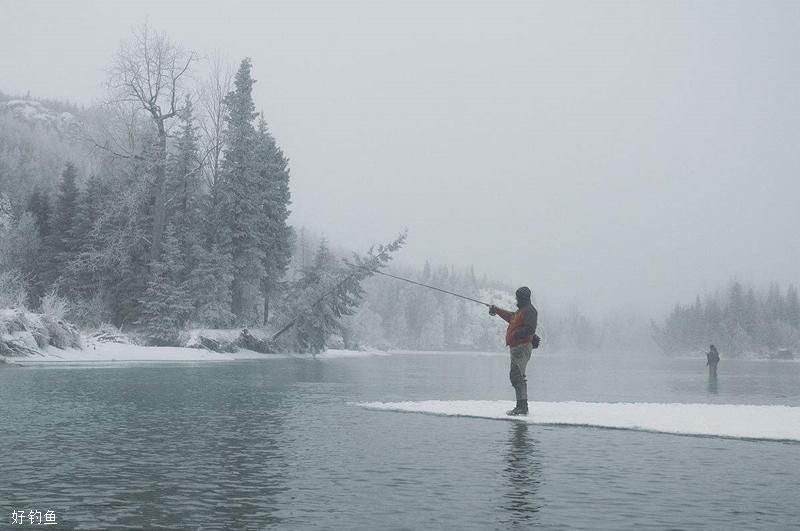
(712, 359)
(520, 337)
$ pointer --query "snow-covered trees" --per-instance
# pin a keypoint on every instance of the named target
(254, 193)
(101, 238)
(329, 290)
(166, 305)
(149, 71)
(737, 320)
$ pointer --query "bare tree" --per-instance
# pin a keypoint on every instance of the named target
(212, 101)
(149, 71)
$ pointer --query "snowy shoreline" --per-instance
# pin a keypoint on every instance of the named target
(112, 353)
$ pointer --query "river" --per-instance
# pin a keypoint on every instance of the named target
(282, 444)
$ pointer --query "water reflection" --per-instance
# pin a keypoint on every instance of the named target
(310, 371)
(523, 475)
(713, 387)
(145, 448)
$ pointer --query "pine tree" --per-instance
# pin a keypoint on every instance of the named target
(211, 274)
(81, 276)
(183, 191)
(166, 304)
(320, 311)
(43, 275)
(329, 290)
(241, 194)
(793, 307)
(277, 236)
(66, 213)
(60, 242)
(773, 307)
(39, 206)
(121, 240)
(210, 286)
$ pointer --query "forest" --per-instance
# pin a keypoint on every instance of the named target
(739, 320)
(162, 208)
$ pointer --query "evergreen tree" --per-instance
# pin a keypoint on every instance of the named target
(793, 307)
(210, 286)
(79, 277)
(277, 236)
(166, 305)
(750, 314)
(90, 210)
(60, 242)
(121, 241)
(39, 206)
(329, 290)
(184, 182)
(735, 311)
(319, 318)
(66, 214)
(42, 274)
(241, 194)
(773, 306)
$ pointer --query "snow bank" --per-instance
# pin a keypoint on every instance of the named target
(121, 352)
(734, 421)
(23, 334)
(111, 353)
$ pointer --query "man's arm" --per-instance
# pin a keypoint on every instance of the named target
(504, 314)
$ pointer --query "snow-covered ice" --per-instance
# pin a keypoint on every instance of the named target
(721, 420)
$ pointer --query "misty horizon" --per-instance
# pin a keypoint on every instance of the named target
(606, 155)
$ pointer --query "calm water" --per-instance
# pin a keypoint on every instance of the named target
(274, 444)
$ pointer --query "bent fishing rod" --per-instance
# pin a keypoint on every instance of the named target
(379, 272)
(430, 287)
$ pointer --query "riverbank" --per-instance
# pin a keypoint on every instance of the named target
(28, 338)
(114, 353)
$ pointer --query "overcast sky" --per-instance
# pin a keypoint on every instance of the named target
(610, 154)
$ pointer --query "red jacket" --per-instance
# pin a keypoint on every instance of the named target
(521, 324)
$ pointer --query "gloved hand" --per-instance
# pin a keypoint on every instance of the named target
(492, 310)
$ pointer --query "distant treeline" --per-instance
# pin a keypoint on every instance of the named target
(738, 320)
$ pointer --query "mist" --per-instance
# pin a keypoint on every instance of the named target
(609, 155)
(238, 239)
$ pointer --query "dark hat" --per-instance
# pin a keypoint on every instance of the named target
(523, 293)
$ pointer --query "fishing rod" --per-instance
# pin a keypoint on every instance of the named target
(379, 272)
(429, 287)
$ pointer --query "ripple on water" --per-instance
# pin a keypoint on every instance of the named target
(249, 446)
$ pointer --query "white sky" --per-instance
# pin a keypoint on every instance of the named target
(606, 153)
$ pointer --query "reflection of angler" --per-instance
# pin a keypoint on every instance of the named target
(523, 474)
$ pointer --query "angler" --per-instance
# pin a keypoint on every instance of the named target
(521, 339)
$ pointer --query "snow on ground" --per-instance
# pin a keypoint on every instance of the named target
(110, 353)
(734, 421)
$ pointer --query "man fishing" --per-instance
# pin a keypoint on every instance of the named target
(712, 359)
(520, 335)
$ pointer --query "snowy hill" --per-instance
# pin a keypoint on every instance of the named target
(36, 113)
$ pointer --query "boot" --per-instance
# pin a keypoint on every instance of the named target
(520, 409)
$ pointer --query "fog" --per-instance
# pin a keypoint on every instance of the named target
(606, 154)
